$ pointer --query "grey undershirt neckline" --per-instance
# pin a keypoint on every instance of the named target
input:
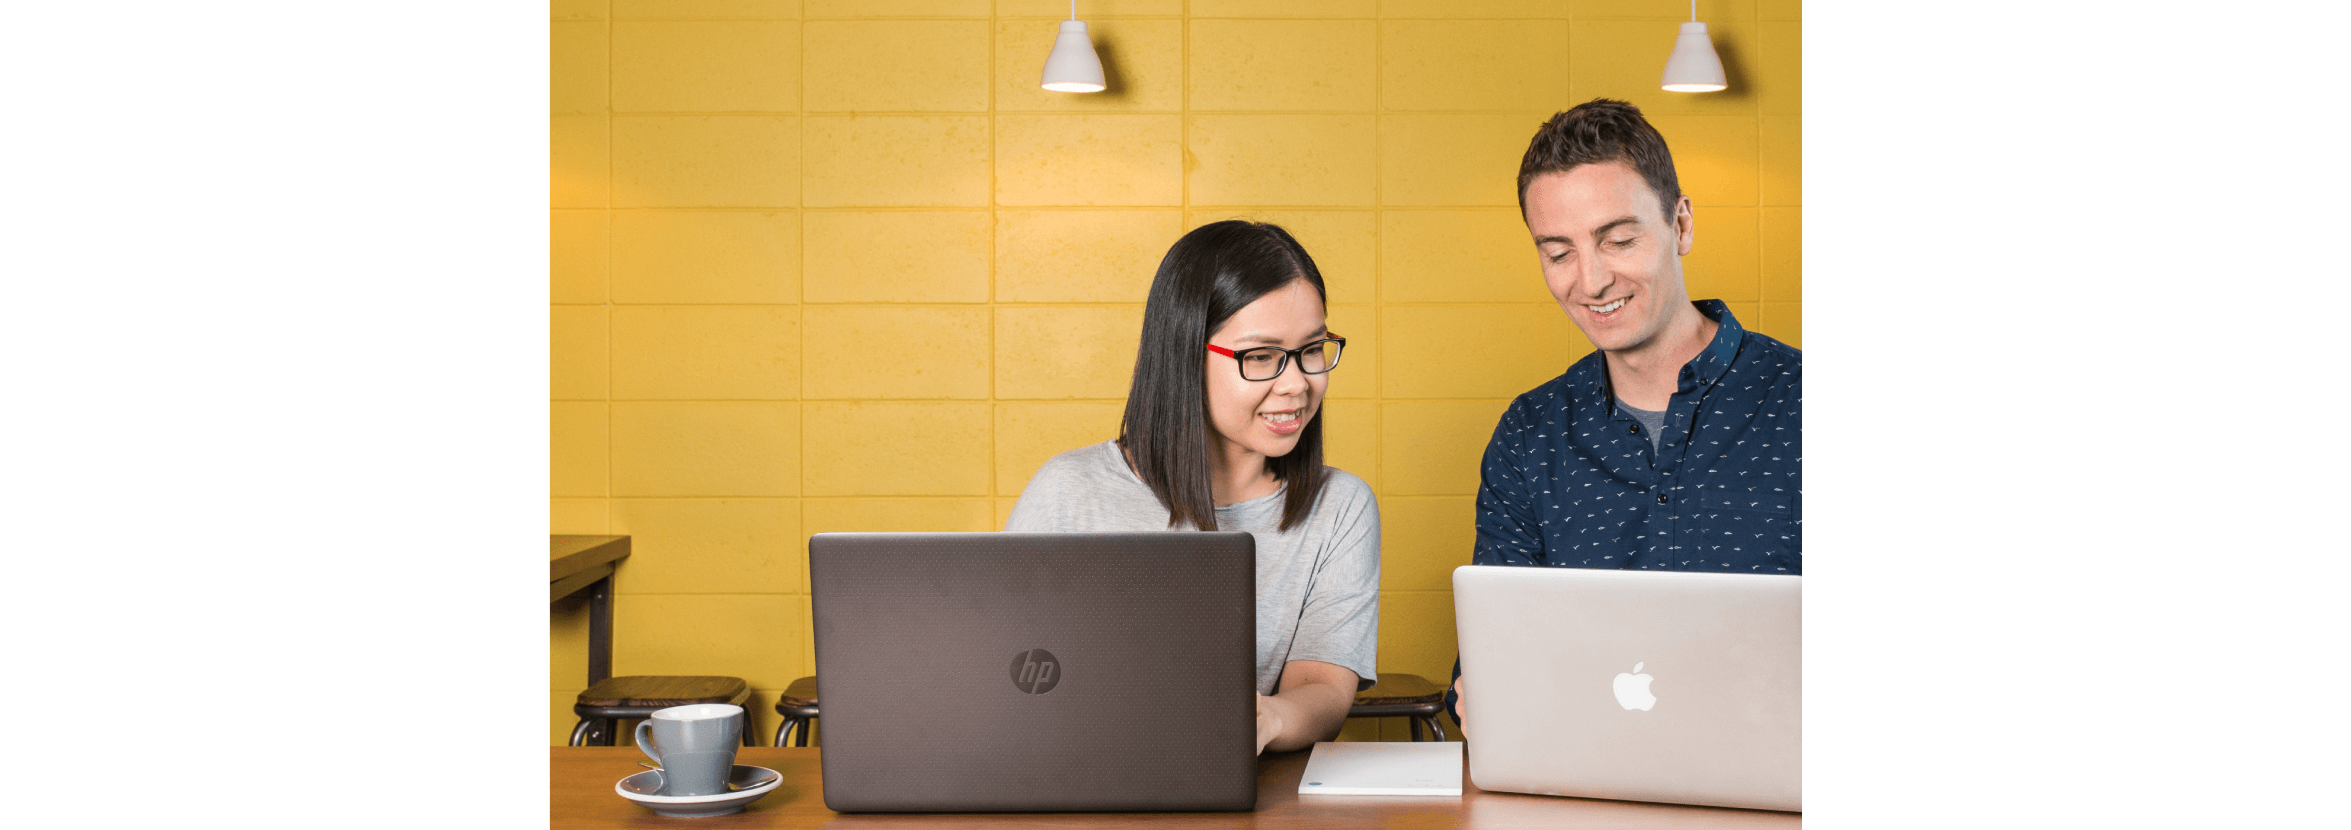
(1652, 422)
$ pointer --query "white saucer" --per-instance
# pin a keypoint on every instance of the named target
(644, 788)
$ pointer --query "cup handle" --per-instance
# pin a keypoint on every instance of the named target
(646, 746)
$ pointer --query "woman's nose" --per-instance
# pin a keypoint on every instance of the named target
(1292, 380)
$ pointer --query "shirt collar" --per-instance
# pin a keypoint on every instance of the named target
(1709, 365)
(1707, 368)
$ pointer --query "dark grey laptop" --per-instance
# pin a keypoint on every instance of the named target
(968, 672)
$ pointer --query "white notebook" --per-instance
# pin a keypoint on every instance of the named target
(1383, 768)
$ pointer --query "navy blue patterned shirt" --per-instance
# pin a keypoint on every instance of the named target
(1570, 481)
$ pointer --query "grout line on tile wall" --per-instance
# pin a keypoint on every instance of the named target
(609, 177)
(994, 271)
(1361, 208)
(805, 498)
(1379, 198)
(800, 198)
(1184, 108)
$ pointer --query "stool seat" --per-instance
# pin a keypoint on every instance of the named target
(802, 692)
(798, 706)
(665, 691)
(639, 696)
(1408, 696)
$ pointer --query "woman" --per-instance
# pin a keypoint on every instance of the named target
(1222, 433)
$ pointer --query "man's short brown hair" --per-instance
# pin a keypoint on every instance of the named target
(1596, 131)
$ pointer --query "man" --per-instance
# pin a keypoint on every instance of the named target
(1677, 445)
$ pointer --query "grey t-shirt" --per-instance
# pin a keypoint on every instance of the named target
(1652, 422)
(1318, 585)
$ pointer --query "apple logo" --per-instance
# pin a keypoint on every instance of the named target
(1632, 690)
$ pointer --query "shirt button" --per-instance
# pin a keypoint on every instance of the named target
(1634, 429)
(1661, 498)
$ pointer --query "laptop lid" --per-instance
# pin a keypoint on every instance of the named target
(1684, 688)
(966, 672)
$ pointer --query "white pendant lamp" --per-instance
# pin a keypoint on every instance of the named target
(1073, 67)
(1693, 66)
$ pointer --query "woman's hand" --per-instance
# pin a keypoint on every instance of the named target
(1310, 705)
(1269, 721)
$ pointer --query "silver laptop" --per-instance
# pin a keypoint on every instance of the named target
(1032, 672)
(1684, 688)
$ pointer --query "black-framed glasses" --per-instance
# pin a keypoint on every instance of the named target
(1267, 362)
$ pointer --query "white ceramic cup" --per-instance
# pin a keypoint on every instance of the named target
(695, 746)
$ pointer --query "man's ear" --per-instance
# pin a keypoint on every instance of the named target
(1683, 223)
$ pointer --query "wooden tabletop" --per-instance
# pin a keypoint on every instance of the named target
(567, 555)
(581, 779)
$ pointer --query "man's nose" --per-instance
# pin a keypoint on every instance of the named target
(1592, 277)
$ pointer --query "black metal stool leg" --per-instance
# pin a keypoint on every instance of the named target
(805, 727)
(580, 733)
(1414, 725)
(1435, 726)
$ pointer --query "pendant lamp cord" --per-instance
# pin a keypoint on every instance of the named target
(1073, 9)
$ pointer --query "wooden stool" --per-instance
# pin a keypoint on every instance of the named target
(603, 706)
(1406, 696)
(798, 706)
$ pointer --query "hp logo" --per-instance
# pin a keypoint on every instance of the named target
(1035, 671)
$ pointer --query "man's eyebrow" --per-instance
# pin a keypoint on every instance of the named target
(1604, 229)
(1596, 232)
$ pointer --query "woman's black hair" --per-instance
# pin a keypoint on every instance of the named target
(1206, 278)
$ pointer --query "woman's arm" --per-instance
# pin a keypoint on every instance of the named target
(1310, 706)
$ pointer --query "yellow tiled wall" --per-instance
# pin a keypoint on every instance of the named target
(842, 265)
